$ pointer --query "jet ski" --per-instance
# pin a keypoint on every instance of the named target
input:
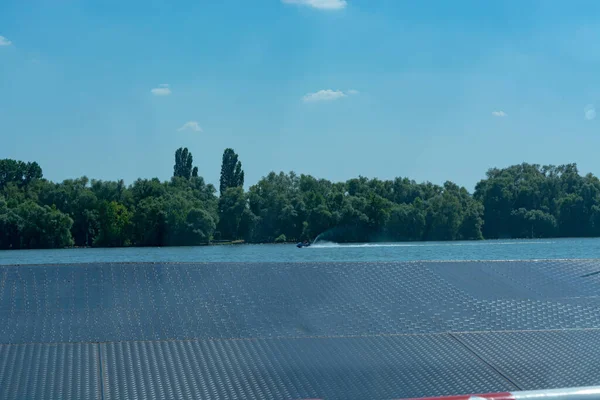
(302, 244)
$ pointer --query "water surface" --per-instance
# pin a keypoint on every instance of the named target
(475, 250)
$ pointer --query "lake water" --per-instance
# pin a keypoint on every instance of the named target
(478, 250)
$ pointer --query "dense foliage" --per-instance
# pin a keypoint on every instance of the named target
(515, 202)
(532, 201)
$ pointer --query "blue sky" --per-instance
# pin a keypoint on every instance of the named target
(434, 90)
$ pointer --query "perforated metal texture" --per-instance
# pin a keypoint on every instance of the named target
(49, 371)
(533, 280)
(334, 330)
(541, 360)
(120, 302)
(332, 368)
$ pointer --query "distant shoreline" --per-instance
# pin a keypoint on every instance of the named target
(520, 201)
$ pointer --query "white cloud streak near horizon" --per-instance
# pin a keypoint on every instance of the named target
(500, 114)
(190, 126)
(327, 95)
(320, 4)
(4, 41)
(162, 90)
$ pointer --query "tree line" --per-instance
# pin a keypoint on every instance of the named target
(521, 201)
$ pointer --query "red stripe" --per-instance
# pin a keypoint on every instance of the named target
(488, 396)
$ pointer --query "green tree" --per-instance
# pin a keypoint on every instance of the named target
(319, 220)
(75, 198)
(114, 225)
(13, 194)
(378, 211)
(595, 220)
(144, 188)
(551, 200)
(111, 191)
(183, 164)
(532, 224)
(39, 227)
(354, 223)
(232, 205)
(472, 221)
(525, 200)
(172, 220)
(150, 222)
(200, 227)
(248, 225)
(444, 217)
(232, 174)
(406, 223)
(18, 172)
(276, 204)
(9, 227)
(572, 216)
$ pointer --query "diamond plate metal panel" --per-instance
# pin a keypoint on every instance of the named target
(292, 330)
(120, 302)
(49, 371)
(541, 360)
(332, 368)
(539, 280)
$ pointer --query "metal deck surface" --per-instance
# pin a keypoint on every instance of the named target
(297, 330)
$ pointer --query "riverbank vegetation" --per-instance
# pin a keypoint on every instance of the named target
(521, 201)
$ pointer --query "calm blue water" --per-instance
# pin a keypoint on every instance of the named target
(482, 250)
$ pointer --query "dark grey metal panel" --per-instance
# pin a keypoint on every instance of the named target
(522, 295)
(49, 371)
(539, 280)
(332, 368)
(285, 330)
(541, 360)
(120, 302)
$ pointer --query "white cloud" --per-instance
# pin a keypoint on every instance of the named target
(320, 4)
(590, 112)
(190, 126)
(500, 114)
(327, 95)
(162, 90)
(4, 41)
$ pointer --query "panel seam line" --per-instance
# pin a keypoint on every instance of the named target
(100, 371)
(483, 360)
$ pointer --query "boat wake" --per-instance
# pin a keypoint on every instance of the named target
(330, 245)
